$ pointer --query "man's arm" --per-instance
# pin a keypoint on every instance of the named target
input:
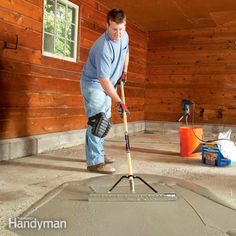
(108, 86)
(125, 69)
(123, 76)
(109, 89)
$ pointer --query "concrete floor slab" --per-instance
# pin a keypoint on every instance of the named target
(25, 181)
(194, 211)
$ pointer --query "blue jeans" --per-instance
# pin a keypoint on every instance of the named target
(95, 101)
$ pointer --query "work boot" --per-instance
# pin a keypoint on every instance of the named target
(108, 159)
(101, 168)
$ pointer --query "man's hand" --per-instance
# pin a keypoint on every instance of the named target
(121, 108)
(123, 78)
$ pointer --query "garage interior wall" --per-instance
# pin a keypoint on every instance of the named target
(199, 65)
(41, 95)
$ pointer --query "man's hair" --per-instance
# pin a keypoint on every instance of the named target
(116, 15)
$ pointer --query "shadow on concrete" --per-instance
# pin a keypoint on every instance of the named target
(146, 150)
(41, 166)
(169, 156)
(58, 158)
(154, 151)
(180, 160)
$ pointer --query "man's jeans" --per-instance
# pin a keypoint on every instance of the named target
(95, 101)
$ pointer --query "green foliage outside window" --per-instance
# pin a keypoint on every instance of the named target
(59, 28)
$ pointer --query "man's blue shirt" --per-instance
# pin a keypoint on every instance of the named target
(106, 59)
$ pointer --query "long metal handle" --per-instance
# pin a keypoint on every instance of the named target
(128, 155)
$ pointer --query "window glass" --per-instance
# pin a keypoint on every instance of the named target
(60, 29)
(49, 43)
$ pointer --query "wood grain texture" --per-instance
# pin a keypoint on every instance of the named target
(198, 65)
(40, 94)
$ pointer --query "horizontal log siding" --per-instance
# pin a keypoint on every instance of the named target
(41, 94)
(199, 65)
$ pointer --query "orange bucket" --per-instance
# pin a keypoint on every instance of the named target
(189, 143)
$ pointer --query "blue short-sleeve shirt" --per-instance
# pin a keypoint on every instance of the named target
(106, 59)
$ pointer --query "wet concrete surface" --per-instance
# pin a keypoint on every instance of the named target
(192, 210)
(25, 181)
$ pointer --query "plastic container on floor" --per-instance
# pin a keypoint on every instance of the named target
(190, 145)
(211, 155)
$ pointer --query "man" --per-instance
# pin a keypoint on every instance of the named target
(107, 63)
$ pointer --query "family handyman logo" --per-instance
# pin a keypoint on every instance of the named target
(33, 223)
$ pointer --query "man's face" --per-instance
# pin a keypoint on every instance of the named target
(115, 30)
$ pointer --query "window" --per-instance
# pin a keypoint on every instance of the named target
(60, 29)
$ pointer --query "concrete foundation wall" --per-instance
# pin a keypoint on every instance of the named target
(165, 127)
(20, 147)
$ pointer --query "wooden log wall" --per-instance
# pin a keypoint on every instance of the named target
(199, 65)
(41, 94)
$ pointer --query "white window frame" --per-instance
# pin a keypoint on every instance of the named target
(54, 55)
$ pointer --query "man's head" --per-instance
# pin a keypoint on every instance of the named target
(116, 22)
